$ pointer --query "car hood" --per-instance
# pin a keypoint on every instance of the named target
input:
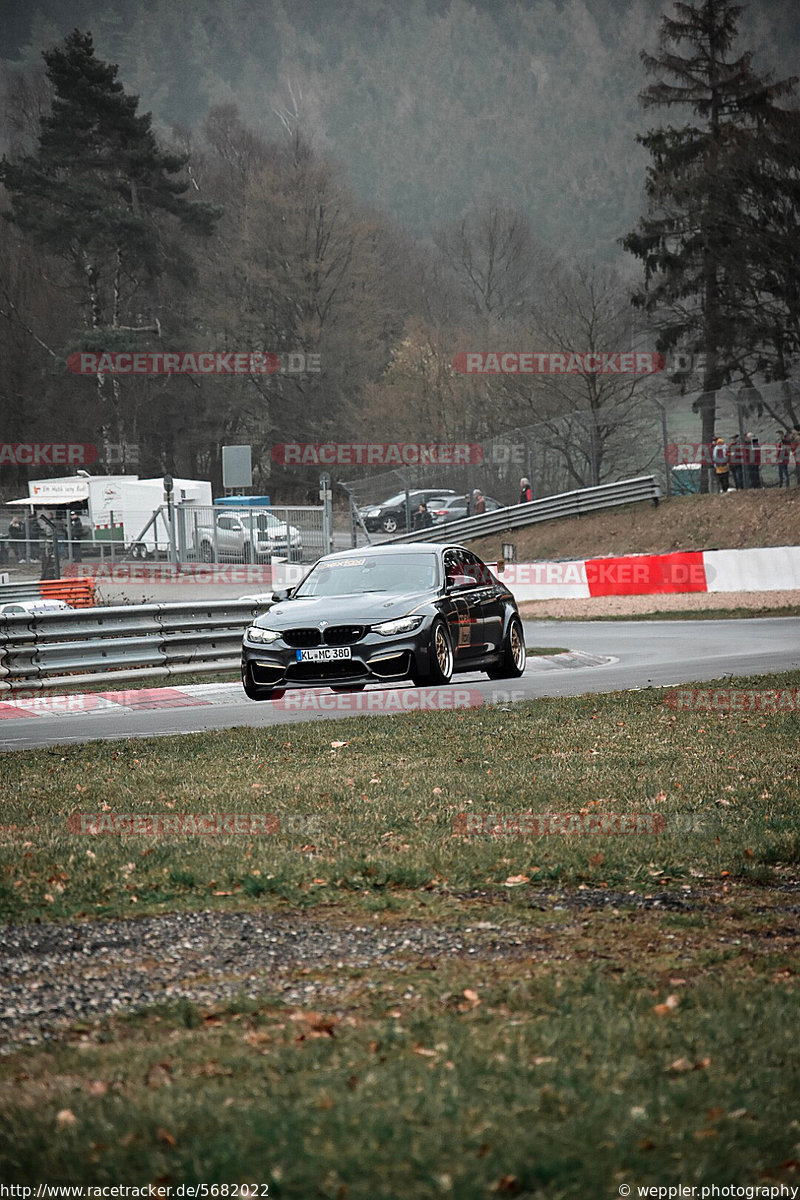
(365, 609)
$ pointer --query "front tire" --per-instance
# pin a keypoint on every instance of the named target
(512, 654)
(389, 524)
(440, 658)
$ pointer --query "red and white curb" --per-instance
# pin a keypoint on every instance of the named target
(774, 568)
(85, 702)
(379, 698)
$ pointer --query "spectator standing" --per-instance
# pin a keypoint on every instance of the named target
(783, 456)
(478, 502)
(16, 535)
(794, 439)
(720, 459)
(33, 534)
(77, 531)
(526, 493)
(753, 461)
(60, 531)
(422, 518)
(735, 461)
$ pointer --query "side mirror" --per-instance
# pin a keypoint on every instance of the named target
(282, 594)
(460, 581)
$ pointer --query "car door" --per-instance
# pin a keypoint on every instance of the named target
(488, 630)
(465, 618)
(229, 536)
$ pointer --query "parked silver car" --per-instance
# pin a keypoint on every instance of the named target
(246, 538)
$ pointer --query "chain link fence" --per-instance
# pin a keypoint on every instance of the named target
(40, 544)
(586, 448)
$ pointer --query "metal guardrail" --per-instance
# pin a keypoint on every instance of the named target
(122, 642)
(79, 593)
(10, 592)
(567, 504)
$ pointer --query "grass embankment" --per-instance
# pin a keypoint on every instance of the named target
(612, 1046)
(733, 521)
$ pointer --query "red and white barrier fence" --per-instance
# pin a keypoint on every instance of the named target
(776, 568)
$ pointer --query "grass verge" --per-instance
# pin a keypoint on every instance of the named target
(465, 1080)
(642, 1047)
(369, 806)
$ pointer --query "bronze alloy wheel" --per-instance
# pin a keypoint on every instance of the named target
(443, 651)
(513, 657)
(517, 646)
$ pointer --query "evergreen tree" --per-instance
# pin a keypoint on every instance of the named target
(100, 193)
(696, 242)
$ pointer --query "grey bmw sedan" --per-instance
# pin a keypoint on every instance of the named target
(385, 614)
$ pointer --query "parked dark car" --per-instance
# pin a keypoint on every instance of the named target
(453, 508)
(385, 614)
(390, 515)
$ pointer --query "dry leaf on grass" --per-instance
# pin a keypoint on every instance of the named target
(159, 1075)
(316, 1024)
(680, 1065)
(669, 1005)
(257, 1037)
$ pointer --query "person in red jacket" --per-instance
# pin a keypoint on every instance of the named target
(526, 494)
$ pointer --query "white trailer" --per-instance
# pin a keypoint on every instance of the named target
(136, 503)
(120, 508)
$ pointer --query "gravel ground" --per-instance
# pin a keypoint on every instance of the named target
(620, 606)
(53, 974)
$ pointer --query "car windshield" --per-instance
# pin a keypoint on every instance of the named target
(365, 573)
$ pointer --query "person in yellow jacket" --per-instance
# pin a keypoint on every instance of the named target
(720, 457)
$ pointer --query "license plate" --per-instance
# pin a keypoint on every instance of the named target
(329, 654)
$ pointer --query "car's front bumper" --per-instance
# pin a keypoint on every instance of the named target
(374, 659)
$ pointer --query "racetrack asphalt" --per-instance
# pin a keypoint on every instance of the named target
(606, 656)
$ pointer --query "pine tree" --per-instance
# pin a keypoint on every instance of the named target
(697, 240)
(100, 193)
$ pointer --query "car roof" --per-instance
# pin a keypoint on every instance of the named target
(399, 548)
(418, 492)
(35, 606)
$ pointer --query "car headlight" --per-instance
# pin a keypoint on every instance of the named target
(400, 625)
(373, 512)
(256, 634)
